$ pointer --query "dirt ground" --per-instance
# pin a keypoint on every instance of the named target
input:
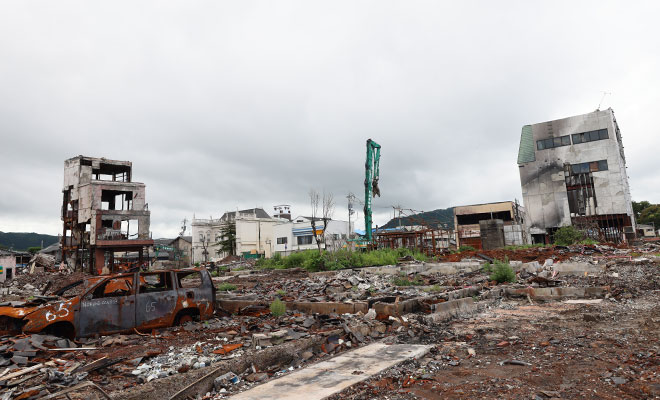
(509, 348)
(517, 350)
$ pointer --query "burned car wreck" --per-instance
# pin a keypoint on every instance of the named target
(115, 303)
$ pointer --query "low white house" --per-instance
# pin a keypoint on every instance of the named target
(297, 235)
(7, 266)
(254, 235)
(646, 230)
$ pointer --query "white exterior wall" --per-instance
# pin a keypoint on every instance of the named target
(255, 235)
(336, 234)
(8, 262)
(205, 228)
(247, 236)
(251, 234)
(283, 230)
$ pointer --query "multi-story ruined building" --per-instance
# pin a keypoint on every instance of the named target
(106, 218)
(573, 172)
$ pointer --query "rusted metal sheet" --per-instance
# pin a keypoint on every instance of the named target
(119, 303)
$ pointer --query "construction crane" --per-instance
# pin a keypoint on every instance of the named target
(370, 184)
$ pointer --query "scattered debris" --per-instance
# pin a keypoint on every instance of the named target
(588, 313)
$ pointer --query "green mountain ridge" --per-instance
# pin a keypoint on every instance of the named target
(440, 218)
(21, 241)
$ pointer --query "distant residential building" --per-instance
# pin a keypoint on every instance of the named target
(254, 235)
(646, 230)
(7, 265)
(573, 172)
(503, 221)
(298, 235)
(282, 211)
(183, 249)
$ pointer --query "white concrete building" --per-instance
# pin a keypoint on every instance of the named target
(573, 172)
(254, 235)
(646, 230)
(297, 235)
(7, 266)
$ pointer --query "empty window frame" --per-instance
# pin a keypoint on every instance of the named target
(590, 136)
(155, 282)
(115, 287)
(282, 240)
(189, 279)
(586, 167)
(553, 142)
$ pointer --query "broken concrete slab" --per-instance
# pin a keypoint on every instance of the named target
(556, 293)
(446, 268)
(397, 308)
(451, 309)
(461, 293)
(325, 308)
(332, 376)
(577, 268)
(584, 301)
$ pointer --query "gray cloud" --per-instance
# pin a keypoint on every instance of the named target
(225, 105)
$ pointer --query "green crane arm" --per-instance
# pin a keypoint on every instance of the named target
(370, 183)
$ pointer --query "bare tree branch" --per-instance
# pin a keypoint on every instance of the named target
(328, 210)
(314, 200)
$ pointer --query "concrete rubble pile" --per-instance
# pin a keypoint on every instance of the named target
(594, 303)
(41, 262)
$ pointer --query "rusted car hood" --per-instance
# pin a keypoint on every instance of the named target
(17, 312)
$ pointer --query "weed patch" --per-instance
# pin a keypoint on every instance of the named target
(404, 281)
(226, 287)
(277, 308)
(502, 272)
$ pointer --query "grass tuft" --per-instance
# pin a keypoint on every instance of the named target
(277, 308)
(226, 287)
(502, 272)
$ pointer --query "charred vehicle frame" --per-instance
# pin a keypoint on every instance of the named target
(115, 303)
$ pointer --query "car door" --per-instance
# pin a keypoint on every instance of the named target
(155, 300)
(196, 288)
(108, 307)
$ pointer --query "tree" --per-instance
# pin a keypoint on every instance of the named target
(34, 249)
(567, 235)
(650, 215)
(638, 207)
(228, 242)
(205, 239)
(327, 209)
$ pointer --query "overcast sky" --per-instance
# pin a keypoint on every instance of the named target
(223, 105)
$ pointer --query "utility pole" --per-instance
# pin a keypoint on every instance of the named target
(351, 198)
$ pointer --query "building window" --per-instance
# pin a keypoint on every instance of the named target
(553, 142)
(305, 239)
(282, 240)
(590, 136)
(593, 166)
